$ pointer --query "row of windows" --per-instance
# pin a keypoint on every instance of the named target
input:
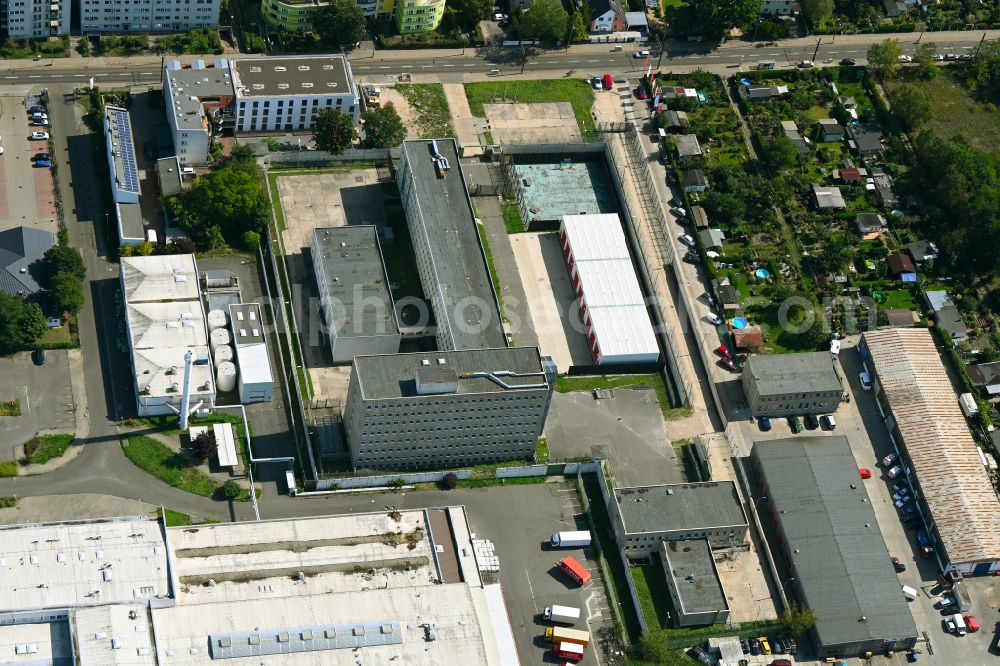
(377, 439)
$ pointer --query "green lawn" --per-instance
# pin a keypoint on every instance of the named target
(171, 468)
(512, 218)
(492, 267)
(542, 450)
(651, 588)
(430, 108)
(8, 468)
(44, 448)
(953, 111)
(174, 518)
(567, 384)
(575, 91)
(900, 298)
(8, 502)
(10, 408)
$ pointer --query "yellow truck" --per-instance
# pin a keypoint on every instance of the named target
(564, 635)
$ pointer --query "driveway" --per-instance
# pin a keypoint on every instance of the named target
(44, 394)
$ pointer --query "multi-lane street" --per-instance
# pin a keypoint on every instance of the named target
(466, 64)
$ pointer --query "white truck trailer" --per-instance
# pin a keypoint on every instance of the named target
(564, 614)
(570, 539)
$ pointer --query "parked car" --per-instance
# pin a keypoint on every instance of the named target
(900, 495)
(900, 567)
(678, 212)
(714, 319)
(765, 646)
(39, 136)
(641, 54)
(500, 18)
(39, 115)
(692, 258)
(607, 82)
(847, 62)
(894, 472)
(37, 108)
(723, 351)
(811, 422)
(889, 460)
(972, 624)
(675, 203)
(781, 662)
(764, 423)
(795, 423)
(754, 646)
(866, 380)
(865, 472)
(905, 58)
(687, 240)
(744, 645)
(596, 83)
(39, 122)
(900, 485)
(944, 603)
(903, 501)
(777, 646)
(728, 364)
(42, 156)
(42, 164)
(38, 357)
(806, 64)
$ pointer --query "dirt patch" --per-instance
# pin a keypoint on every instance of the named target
(395, 564)
(403, 108)
(293, 546)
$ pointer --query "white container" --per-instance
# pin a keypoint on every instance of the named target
(222, 354)
(909, 593)
(225, 377)
(570, 539)
(217, 319)
(566, 614)
(218, 337)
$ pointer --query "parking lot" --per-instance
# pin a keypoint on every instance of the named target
(26, 193)
(44, 394)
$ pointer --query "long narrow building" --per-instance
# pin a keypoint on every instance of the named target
(920, 408)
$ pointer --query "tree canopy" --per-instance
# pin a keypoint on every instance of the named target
(333, 131)
(815, 11)
(339, 23)
(544, 20)
(383, 127)
(21, 324)
(62, 259)
(779, 153)
(911, 105)
(714, 18)
(883, 57)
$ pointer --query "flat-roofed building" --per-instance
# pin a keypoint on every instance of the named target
(123, 169)
(199, 101)
(148, 16)
(255, 381)
(643, 516)
(693, 582)
(837, 561)
(920, 409)
(792, 384)
(165, 320)
(285, 94)
(444, 409)
(450, 257)
(358, 310)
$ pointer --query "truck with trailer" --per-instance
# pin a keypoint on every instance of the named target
(570, 651)
(565, 614)
(570, 539)
(565, 635)
(575, 570)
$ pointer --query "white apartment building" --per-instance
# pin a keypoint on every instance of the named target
(285, 94)
(34, 19)
(199, 99)
(121, 16)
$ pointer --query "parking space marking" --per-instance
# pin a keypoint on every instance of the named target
(534, 603)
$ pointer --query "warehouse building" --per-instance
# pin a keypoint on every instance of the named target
(123, 169)
(255, 381)
(165, 320)
(693, 582)
(358, 310)
(922, 414)
(611, 302)
(449, 254)
(444, 409)
(130, 591)
(792, 384)
(829, 539)
(644, 516)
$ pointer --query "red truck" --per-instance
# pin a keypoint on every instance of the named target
(575, 570)
(570, 651)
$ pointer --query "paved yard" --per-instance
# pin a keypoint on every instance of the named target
(549, 122)
(44, 393)
(26, 193)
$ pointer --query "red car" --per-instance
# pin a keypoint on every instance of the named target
(724, 352)
(728, 364)
(608, 84)
(865, 472)
(972, 624)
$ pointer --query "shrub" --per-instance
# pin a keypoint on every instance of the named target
(230, 490)
(449, 481)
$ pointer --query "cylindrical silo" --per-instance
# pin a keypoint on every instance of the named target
(217, 319)
(222, 354)
(225, 379)
(219, 336)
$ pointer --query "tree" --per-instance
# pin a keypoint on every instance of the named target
(230, 490)
(924, 58)
(144, 249)
(20, 324)
(125, 251)
(716, 17)
(204, 446)
(779, 153)
(62, 259)
(383, 127)
(213, 238)
(339, 23)
(242, 152)
(815, 11)
(911, 105)
(251, 240)
(545, 21)
(182, 245)
(449, 481)
(66, 292)
(333, 131)
(883, 57)
(578, 28)
(798, 619)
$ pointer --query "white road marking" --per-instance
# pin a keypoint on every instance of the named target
(531, 590)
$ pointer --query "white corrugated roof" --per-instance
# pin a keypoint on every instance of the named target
(611, 292)
(937, 439)
(168, 277)
(255, 366)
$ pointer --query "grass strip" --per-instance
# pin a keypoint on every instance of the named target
(172, 468)
(43, 448)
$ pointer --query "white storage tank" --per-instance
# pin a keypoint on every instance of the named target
(225, 379)
(217, 319)
(219, 336)
(222, 354)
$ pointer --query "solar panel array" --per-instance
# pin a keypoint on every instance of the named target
(129, 178)
(237, 644)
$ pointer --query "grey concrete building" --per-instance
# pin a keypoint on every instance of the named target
(829, 539)
(103, 17)
(34, 19)
(450, 257)
(644, 516)
(354, 294)
(792, 384)
(696, 592)
(444, 409)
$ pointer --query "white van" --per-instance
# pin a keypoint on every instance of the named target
(956, 623)
(151, 237)
(828, 421)
(909, 593)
